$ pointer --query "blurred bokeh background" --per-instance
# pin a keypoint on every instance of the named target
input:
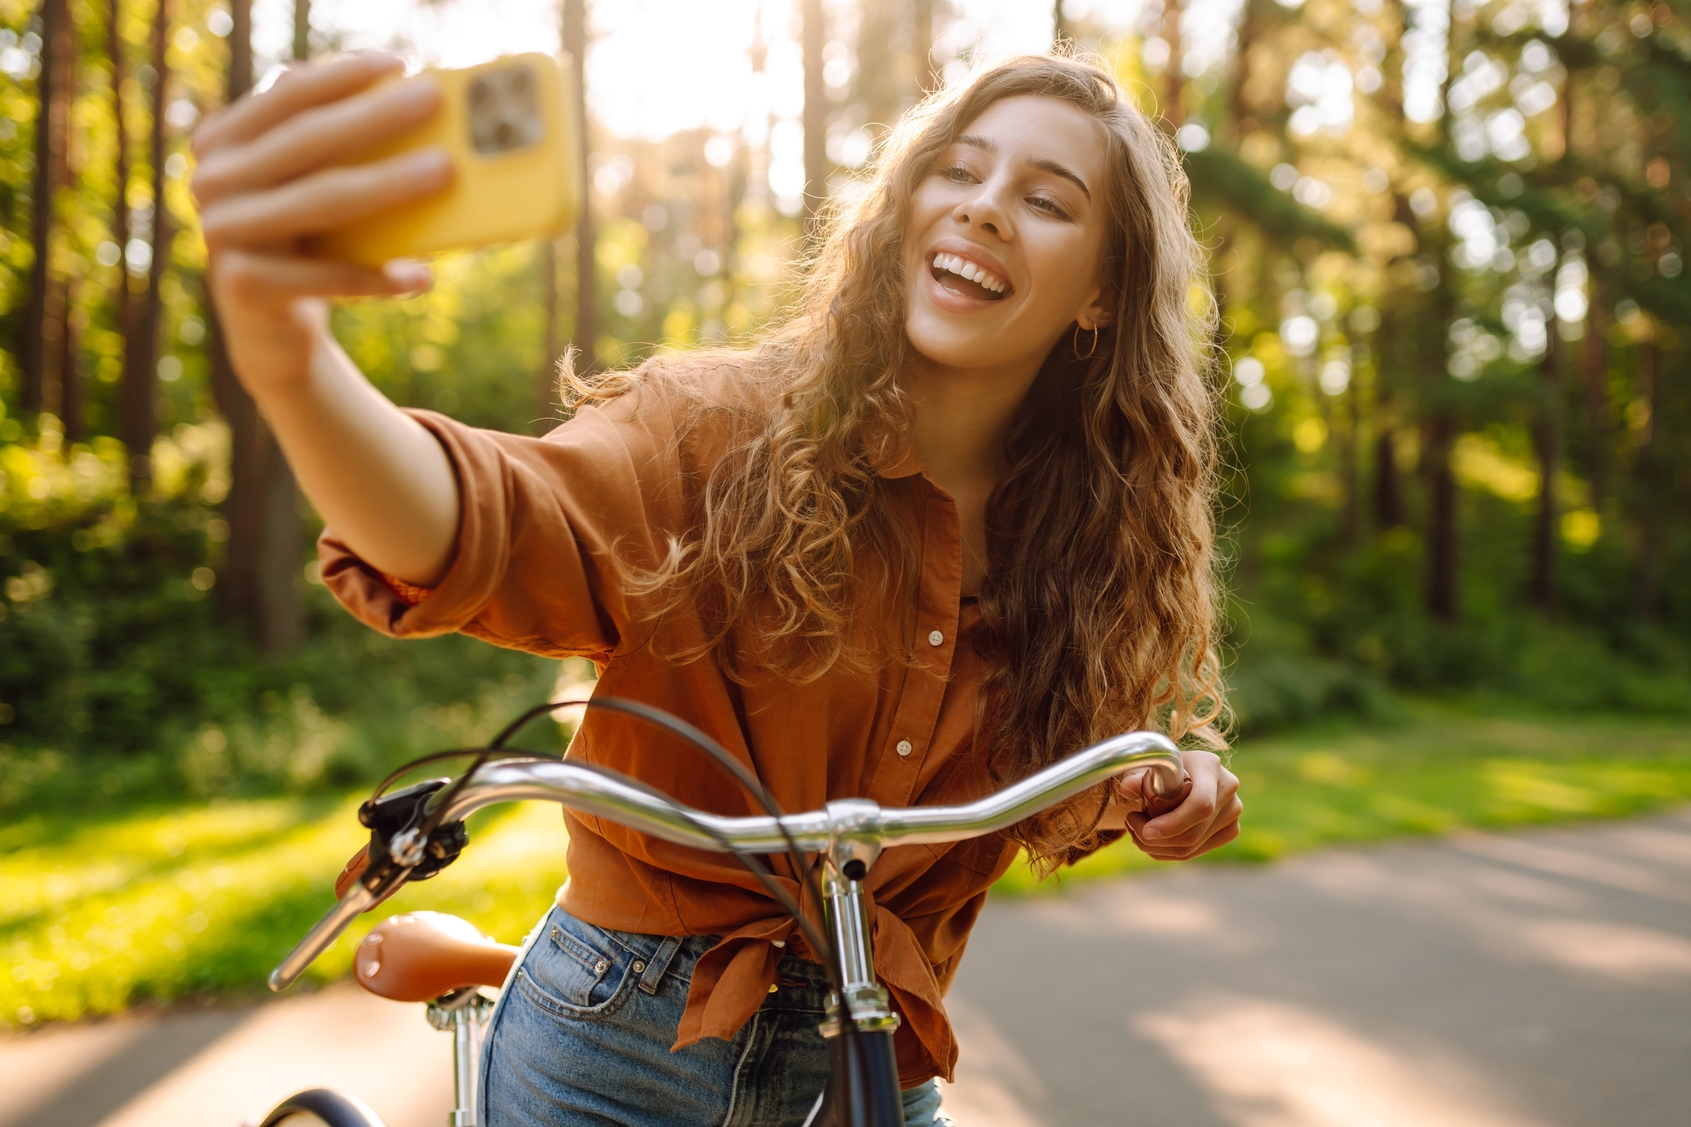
(1447, 238)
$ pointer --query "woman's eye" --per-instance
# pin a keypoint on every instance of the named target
(1048, 205)
(958, 174)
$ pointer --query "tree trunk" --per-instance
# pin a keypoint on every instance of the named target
(1061, 32)
(264, 558)
(1594, 362)
(1547, 439)
(546, 393)
(70, 350)
(1388, 485)
(1173, 112)
(62, 394)
(43, 314)
(118, 53)
(302, 29)
(586, 265)
(1250, 21)
(139, 410)
(815, 38)
(1648, 472)
(922, 46)
(1347, 439)
(1441, 516)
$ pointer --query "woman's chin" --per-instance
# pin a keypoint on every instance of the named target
(942, 340)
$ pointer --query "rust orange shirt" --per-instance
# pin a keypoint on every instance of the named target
(540, 520)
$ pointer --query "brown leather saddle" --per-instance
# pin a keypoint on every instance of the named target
(420, 956)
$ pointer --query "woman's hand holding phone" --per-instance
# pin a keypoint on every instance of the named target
(272, 174)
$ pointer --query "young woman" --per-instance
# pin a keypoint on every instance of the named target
(947, 524)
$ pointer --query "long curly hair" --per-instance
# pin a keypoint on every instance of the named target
(1100, 602)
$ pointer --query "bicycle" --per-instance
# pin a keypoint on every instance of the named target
(447, 963)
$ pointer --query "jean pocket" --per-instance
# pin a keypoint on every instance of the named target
(575, 972)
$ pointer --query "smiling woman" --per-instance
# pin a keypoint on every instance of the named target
(948, 524)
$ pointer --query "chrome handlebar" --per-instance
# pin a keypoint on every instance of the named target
(854, 826)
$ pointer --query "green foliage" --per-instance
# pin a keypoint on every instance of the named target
(118, 679)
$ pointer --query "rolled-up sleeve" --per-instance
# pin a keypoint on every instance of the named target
(541, 523)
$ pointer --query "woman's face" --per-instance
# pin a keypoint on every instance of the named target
(1006, 237)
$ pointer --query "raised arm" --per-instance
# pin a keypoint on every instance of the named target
(267, 180)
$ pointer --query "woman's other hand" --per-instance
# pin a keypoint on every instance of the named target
(271, 173)
(1202, 817)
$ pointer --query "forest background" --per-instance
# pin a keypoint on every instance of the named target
(1447, 240)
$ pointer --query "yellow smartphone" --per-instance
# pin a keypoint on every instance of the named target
(509, 128)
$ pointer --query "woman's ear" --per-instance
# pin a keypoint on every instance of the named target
(1099, 311)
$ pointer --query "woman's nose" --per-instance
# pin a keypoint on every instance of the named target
(984, 211)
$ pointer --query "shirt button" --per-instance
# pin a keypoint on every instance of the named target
(936, 638)
(904, 747)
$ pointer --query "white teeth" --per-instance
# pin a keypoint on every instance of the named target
(963, 268)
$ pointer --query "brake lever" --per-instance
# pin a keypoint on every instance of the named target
(395, 856)
(317, 940)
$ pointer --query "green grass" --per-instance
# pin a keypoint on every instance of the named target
(168, 903)
(1442, 769)
(109, 910)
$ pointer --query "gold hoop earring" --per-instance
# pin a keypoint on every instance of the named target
(1089, 351)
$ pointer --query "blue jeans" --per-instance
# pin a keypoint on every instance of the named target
(582, 1033)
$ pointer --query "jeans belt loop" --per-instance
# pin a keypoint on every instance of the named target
(658, 965)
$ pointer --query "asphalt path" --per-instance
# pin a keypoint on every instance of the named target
(1532, 980)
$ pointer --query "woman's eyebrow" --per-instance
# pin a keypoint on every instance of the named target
(1044, 164)
(1056, 169)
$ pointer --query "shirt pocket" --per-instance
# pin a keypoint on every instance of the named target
(575, 973)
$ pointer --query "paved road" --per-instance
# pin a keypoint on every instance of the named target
(1540, 980)
(1535, 980)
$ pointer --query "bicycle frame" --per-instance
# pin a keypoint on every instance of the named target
(849, 833)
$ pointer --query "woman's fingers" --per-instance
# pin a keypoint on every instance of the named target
(1198, 839)
(1206, 819)
(1204, 770)
(1215, 841)
(324, 201)
(298, 89)
(315, 138)
(270, 278)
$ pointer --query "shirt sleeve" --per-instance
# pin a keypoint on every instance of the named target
(540, 521)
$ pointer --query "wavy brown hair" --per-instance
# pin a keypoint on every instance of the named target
(1100, 601)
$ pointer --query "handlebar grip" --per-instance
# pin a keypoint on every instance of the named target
(317, 940)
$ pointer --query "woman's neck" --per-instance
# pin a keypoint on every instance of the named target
(959, 419)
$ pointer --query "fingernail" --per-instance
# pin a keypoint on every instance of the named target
(421, 91)
(430, 160)
(1151, 832)
(412, 275)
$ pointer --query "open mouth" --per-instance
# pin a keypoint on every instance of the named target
(966, 278)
